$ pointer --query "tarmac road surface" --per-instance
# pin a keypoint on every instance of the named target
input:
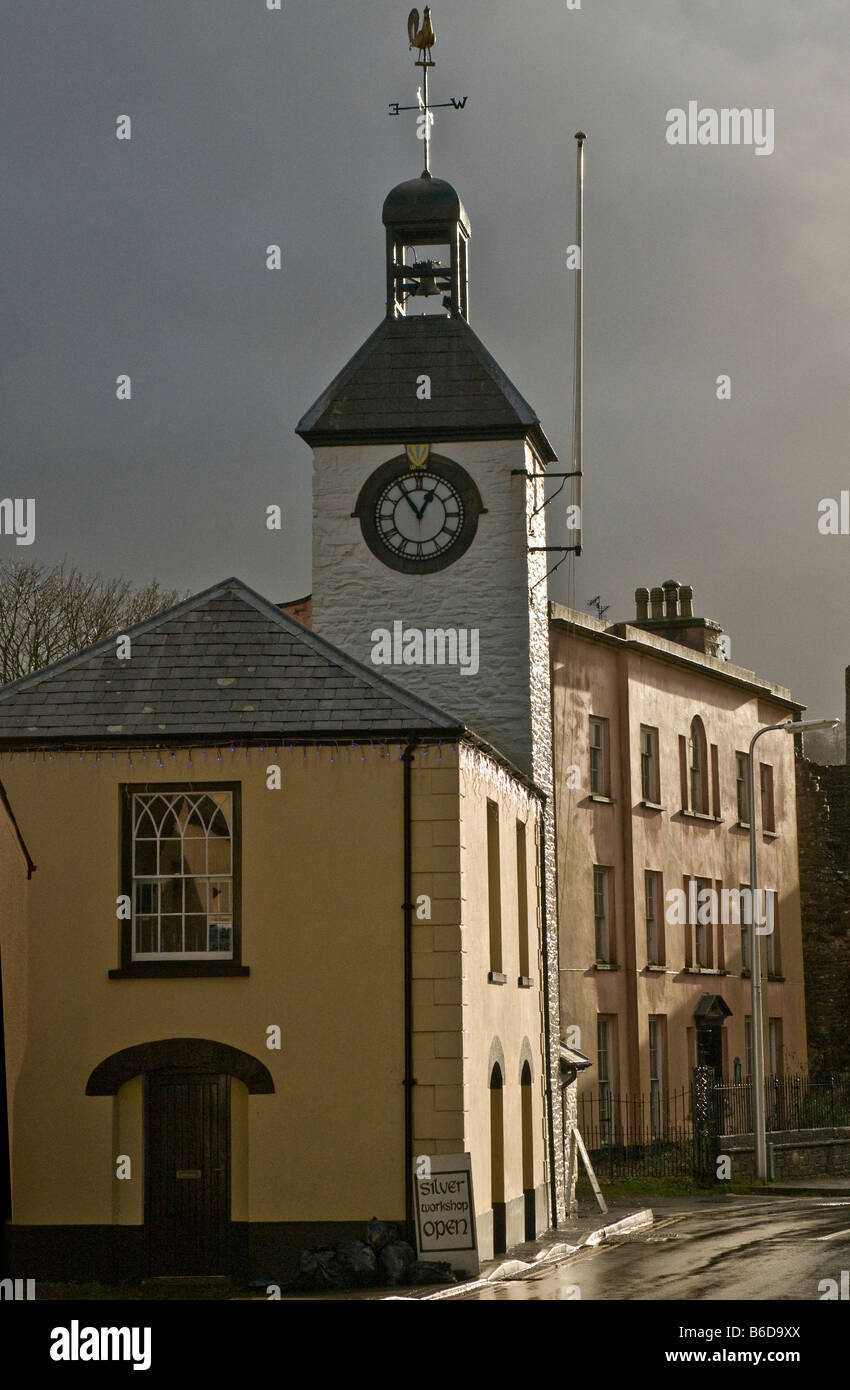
(754, 1248)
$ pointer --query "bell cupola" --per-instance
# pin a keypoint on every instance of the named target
(427, 250)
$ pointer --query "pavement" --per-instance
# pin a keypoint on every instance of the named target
(835, 1187)
(548, 1250)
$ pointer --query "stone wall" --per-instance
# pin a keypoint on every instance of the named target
(823, 814)
(805, 1153)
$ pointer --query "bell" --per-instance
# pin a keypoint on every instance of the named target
(429, 283)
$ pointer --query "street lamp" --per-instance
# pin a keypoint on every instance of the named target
(759, 1125)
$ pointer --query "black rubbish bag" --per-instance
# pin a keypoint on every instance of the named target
(379, 1234)
(358, 1262)
(320, 1269)
(396, 1259)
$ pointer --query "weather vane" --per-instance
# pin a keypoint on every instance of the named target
(423, 39)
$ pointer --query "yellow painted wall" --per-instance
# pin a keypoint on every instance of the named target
(322, 878)
(322, 933)
(14, 952)
(502, 1014)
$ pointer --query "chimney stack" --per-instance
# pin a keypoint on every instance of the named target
(670, 613)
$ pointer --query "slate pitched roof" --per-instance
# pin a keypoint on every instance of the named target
(225, 662)
(373, 399)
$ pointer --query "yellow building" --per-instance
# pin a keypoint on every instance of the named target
(252, 979)
(653, 726)
(16, 870)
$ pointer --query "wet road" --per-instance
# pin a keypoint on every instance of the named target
(754, 1248)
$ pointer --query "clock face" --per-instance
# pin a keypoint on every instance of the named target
(418, 520)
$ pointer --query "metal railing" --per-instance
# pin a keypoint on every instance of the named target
(792, 1102)
(654, 1135)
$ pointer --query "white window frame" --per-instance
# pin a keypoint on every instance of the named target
(216, 922)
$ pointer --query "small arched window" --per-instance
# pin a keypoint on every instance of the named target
(699, 767)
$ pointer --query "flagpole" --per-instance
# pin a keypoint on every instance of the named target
(578, 369)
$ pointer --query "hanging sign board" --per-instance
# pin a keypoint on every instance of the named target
(445, 1210)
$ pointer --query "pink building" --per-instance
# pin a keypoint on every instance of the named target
(652, 727)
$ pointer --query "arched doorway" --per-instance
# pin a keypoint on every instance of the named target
(497, 1159)
(187, 1145)
(528, 1152)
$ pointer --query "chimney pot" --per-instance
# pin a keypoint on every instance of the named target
(657, 599)
(671, 598)
(686, 594)
(642, 605)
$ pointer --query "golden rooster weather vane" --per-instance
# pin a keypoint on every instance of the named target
(423, 39)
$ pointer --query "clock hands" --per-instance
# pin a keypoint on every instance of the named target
(419, 511)
(408, 498)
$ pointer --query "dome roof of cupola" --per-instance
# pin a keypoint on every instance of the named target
(424, 201)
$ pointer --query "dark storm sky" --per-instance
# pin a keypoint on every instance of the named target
(252, 127)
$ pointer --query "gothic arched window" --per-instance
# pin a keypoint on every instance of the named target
(699, 767)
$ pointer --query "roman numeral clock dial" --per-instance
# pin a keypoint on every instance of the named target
(419, 517)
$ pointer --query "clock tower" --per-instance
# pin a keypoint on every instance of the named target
(428, 504)
(429, 523)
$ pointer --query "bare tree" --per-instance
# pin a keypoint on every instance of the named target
(46, 614)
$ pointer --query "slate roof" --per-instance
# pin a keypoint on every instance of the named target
(373, 399)
(225, 662)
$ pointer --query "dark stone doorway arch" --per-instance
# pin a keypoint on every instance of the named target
(179, 1054)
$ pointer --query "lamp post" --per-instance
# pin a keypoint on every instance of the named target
(759, 1124)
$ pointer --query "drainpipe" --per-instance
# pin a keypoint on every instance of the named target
(409, 1079)
(550, 1100)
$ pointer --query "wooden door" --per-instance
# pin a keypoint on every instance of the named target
(187, 1210)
